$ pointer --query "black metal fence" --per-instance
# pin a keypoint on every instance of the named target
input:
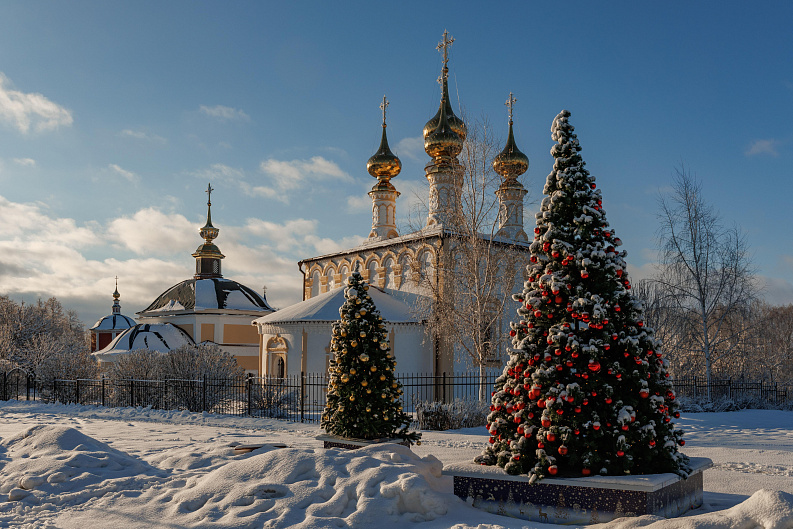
(733, 389)
(302, 397)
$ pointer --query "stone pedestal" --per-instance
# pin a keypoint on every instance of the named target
(346, 443)
(578, 500)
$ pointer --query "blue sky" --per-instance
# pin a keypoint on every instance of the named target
(115, 115)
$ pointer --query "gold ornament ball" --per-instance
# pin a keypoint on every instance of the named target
(354, 343)
(382, 395)
(364, 357)
(373, 369)
(357, 316)
(364, 383)
(382, 377)
(385, 417)
(341, 408)
(362, 334)
(344, 351)
(363, 312)
(369, 409)
(344, 333)
(352, 371)
(352, 398)
(345, 378)
(393, 385)
(368, 391)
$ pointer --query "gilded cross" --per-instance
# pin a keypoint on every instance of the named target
(209, 194)
(510, 102)
(383, 106)
(444, 45)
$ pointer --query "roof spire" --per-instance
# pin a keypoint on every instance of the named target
(510, 162)
(384, 164)
(116, 303)
(208, 255)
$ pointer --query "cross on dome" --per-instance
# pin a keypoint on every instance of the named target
(444, 45)
(510, 102)
(209, 194)
(383, 106)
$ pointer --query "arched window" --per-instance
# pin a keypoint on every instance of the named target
(329, 274)
(389, 273)
(280, 368)
(372, 267)
(315, 279)
(407, 272)
(345, 272)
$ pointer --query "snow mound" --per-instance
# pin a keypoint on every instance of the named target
(370, 487)
(45, 462)
(765, 509)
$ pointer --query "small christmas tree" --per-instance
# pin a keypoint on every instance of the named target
(363, 394)
(585, 389)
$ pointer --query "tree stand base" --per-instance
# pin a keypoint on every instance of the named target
(347, 443)
(587, 500)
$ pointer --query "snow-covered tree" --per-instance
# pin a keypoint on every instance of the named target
(585, 389)
(363, 394)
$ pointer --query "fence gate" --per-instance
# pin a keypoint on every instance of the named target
(18, 384)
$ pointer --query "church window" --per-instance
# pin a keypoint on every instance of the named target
(315, 282)
(344, 271)
(331, 283)
(389, 273)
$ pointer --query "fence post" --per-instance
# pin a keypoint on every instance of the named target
(77, 390)
(302, 394)
(204, 394)
(132, 392)
(103, 390)
(444, 386)
(248, 389)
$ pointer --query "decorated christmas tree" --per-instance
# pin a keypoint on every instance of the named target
(363, 394)
(585, 390)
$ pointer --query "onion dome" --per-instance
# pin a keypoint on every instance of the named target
(443, 141)
(511, 162)
(208, 255)
(115, 320)
(384, 164)
(456, 124)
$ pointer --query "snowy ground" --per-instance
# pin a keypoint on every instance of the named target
(78, 467)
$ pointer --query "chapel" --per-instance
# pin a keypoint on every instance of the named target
(204, 308)
(297, 338)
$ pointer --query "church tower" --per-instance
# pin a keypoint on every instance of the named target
(105, 330)
(443, 141)
(208, 256)
(383, 165)
(510, 164)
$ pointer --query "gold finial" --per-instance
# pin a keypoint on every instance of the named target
(510, 102)
(444, 45)
(116, 295)
(208, 255)
(383, 106)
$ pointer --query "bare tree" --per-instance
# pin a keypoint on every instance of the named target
(705, 275)
(471, 283)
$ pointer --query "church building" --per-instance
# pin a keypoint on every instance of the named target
(297, 338)
(204, 308)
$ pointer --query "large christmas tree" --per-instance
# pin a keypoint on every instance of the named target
(585, 390)
(363, 394)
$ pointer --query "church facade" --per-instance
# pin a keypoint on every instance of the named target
(411, 269)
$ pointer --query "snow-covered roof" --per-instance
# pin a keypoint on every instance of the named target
(325, 307)
(209, 294)
(113, 322)
(161, 337)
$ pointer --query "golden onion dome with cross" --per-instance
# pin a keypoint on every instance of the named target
(384, 164)
(511, 162)
(443, 141)
(456, 124)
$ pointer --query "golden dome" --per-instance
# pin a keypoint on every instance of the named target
(384, 164)
(456, 123)
(511, 163)
(443, 141)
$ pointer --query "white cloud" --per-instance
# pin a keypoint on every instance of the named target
(294, 174)
(412, 148)
(219, 172)
(767, 147)
(30, 110)
(25, 162)
(152, 232)
(224, 113)
(141, 135)
(129, 175)
(359, 203)
(42, 255)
